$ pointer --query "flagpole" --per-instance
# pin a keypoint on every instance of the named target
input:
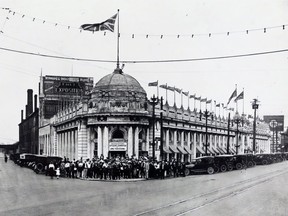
(243, 103)
(118, 36)
(236, 101)
(181, 98)
(166, 93)
(174, 96)
(157, 90)
(188, 99)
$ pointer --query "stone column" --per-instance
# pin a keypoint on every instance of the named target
(188, 144)
(82, 140)
(147, 141)
(105, 142)
(76, 144)
(167, 143)
(69, 145)
(194, 145)
(136, 144)
(182, 144)
(88, 144)
(130, 142)
(100, 143)
(55, 147)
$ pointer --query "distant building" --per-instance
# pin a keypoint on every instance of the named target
(276, 125)
(56, 93)
(29, 127)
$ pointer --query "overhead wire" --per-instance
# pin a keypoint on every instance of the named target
(146, 61)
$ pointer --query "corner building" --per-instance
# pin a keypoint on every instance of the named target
(117, 120)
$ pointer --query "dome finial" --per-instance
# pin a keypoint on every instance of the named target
(119, 70)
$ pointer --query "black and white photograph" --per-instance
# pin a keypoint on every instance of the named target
(144, 107)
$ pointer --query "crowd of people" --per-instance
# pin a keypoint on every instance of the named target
(117, 168)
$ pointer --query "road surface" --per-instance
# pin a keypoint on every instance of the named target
(260, 190)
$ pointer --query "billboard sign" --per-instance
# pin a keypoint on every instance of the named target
(276, 122)
(62, 85)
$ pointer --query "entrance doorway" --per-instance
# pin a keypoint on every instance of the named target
(117, 154)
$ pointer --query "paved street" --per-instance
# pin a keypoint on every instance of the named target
(260, 190)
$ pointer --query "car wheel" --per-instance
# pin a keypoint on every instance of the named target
(210, 170)
(223, 168)
(264, 162)
(250, 164)
(187, 172)
(230, 167)
(239, 166)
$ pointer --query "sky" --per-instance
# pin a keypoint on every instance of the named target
(55, 31)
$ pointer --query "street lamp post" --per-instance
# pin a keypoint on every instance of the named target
(206, 114)
(154, 101)
(273, 124)
(228, 135)
(237, 120)
(255, 106)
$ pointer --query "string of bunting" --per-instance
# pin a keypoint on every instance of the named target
(161, 36)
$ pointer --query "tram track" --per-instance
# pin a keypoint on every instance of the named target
(192, 204)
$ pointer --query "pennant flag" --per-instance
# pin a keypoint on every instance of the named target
(234, 94)
(163, 86)
(193, 96)
(106, 25)
(240, 96)
(178, 90)
(197, 98)
(218, 105)
(203, 100)
(170, 88)
(153, 83)
(222, 104)
(209, 101)
(232, 109)
(185, 93)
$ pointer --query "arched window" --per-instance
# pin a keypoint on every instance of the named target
(118, 134)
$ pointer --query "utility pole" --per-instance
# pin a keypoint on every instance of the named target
(255, 106)
(161, 128)
(228, 138)
(153, 101)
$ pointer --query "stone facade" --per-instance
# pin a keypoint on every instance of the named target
(117, 120)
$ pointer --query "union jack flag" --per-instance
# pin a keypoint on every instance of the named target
(106, 25)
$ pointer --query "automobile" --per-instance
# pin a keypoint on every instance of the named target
(42, 161)
(224, 162)
(243, 160)
(203, 164)
(263, 159)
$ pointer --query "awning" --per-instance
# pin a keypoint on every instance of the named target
(212, 150)
(233, 151)
(215, 150)
(221, 150)
(188, 150)
(181, 149)
(199, 150)
(166, 150)
(174, 149)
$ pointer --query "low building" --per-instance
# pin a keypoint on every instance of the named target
(29, 127)
(117, 120)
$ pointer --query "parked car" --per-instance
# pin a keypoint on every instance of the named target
(243, 160)
(224, 162)
(263, 159)
(203, 164)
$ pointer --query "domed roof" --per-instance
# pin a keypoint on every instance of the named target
(118, 92)
(120, 81)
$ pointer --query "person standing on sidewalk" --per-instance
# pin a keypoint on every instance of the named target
(51, 168)
(5, 158)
